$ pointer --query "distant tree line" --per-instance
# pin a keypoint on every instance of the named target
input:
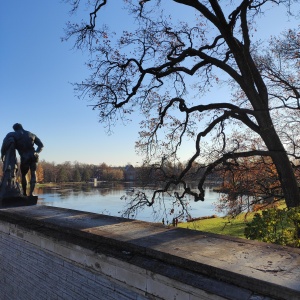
(77, 172)
(50, 172)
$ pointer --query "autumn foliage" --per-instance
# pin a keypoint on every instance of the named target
(249, 184)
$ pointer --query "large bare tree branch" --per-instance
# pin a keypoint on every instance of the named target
(150, 68)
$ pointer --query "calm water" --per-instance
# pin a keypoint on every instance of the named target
(106, 199)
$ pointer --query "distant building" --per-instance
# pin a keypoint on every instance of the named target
(129, 173)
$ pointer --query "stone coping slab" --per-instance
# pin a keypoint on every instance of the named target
(266, 269)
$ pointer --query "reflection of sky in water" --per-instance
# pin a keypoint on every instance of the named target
(108, 201)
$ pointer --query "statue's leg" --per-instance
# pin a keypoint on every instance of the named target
(24, 171)
(24, 184)
(32, 186)
(33, 177)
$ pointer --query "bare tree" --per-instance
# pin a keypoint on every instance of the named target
(165, 68)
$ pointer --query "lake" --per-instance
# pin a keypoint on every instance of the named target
(106, 199)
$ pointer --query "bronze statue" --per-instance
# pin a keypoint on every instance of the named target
(23, 141)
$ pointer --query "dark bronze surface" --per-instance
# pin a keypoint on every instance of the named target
(23, 141)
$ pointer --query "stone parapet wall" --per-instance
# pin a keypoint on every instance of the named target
(53, 253)
(29, 270)
(34, 266)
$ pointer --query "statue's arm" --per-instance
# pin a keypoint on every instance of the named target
(2, 150)
(39, 144)
(4, 147)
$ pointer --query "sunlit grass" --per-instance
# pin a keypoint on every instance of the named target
(225, 226)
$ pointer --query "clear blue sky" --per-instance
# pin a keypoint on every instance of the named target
(35, 75)
(36, 70)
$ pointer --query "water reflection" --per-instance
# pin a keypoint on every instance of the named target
(106, 199)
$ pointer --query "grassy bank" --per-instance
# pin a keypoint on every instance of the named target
(226, 226)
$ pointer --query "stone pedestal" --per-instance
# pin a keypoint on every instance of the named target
(18, 201)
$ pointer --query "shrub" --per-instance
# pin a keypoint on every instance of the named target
(279, 226)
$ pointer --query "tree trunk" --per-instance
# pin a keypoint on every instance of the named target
(287, 179)
(280, 158)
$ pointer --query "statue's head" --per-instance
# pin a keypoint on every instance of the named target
(17, 126)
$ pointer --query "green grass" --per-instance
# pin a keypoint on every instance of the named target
(225, 226)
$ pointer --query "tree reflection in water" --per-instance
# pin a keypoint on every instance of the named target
(106, 198)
